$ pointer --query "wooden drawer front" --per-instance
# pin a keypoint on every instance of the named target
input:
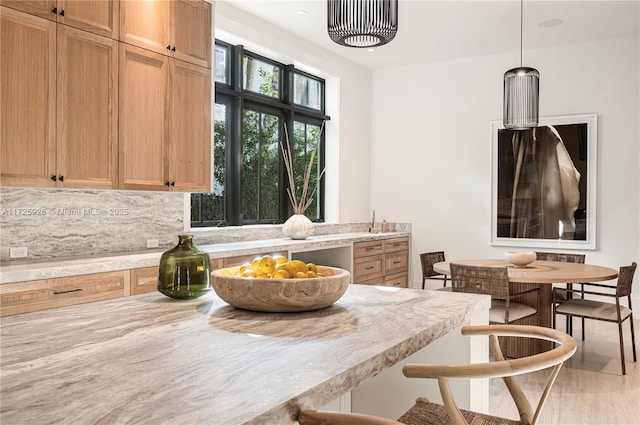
(397, 244)
(363, 249)
(401, 280)
(396, 262)
(144, 280)
(366, 268)
(24, 297)
(378, 281)
(240, 260)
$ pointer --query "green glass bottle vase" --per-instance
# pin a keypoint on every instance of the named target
(184, 271)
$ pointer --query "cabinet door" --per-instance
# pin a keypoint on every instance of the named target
(28, 101)
(87, 109)
(41, 8)
(191, 31)
(143, 119)
(145, 23)
(96, 16)
(190, 128)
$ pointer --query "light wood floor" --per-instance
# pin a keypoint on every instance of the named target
(590, 388)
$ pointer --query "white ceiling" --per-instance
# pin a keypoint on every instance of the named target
(432, 31)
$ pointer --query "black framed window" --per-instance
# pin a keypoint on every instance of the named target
(259, 104)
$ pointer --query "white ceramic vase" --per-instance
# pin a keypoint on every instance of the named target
(298, 226)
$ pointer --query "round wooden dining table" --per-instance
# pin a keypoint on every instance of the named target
(543, 274)
(540, 271)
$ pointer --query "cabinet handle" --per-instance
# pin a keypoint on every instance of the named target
(396, 262)
(54, 10)
(61, 178)
(66, 292)
(54, 178)
(173, 183)
(173, 49)
(369, 248)
(396, 244)
(62, 12)
(368, 268)
(170, 184)
(168, 46)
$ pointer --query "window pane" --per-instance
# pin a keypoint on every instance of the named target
(260, 77)
(307, 92)
(222, 53)
(260, 153)
(306, 138)
(210, 207)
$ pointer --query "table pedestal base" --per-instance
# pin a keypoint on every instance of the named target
(515, 347)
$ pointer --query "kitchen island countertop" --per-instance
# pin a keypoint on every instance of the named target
(149, 359)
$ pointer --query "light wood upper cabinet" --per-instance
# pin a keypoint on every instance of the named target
(59, 105)
(144, 79)
(165, 125)
(41, 8)
(191, 26)
(87, 150)
(28, 101)
(96, 16)
(190, 127)
(177, 28)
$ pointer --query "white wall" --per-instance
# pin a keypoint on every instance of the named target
(348, 98)
(430, 160)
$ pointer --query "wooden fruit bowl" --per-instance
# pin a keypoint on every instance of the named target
(280, 295)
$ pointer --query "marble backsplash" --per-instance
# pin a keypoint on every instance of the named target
(70, 222)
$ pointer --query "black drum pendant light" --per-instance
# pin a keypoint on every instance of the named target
(521, 93)
(362, 23)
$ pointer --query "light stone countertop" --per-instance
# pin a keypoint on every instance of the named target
(24, 270)
(149, 359)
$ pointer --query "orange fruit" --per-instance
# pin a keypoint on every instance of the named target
(301, 275)
(281, 274)
(267, 264)
(280, 259)
(298, 266)
(311, 273)
(249, 273)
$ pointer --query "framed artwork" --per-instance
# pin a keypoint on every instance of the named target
(544, 184)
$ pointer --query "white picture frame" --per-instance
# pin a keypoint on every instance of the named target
(517, 226)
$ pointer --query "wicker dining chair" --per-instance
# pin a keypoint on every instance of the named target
(425, 412)
(564, 258)
(428, 259)
(492, 281)
(601, 310)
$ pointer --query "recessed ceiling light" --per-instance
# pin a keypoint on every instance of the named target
(302, 12)
(549, 23)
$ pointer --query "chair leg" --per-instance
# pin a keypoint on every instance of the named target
(583, 328)
(424, 279)
(624, 370)
(633, 338)
(444, 283)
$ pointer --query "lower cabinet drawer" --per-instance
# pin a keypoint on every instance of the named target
(24, 297)
(396, 262)
(144, 280)
(401, 280)
(367, 268)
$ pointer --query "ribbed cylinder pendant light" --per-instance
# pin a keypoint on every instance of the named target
(362, 23)
(521, 94)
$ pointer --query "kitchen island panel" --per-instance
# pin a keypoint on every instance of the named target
(150, 359)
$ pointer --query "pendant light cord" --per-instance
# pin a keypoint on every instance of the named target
(521, 25)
